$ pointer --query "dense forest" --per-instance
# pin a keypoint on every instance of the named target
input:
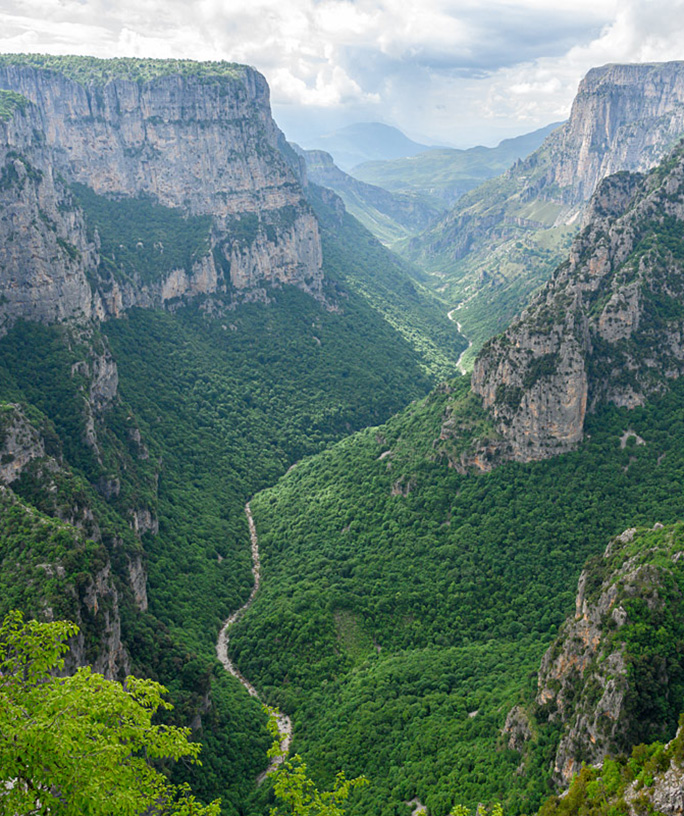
(405, 606)
(409, 588)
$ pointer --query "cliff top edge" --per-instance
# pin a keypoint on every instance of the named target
(95, 71)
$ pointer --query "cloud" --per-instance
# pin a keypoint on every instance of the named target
(450, 68)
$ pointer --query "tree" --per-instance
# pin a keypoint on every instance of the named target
(81, 745)
(296, 790)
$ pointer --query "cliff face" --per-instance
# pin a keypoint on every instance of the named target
(612, 679)
(608, 327)
(203, 144)
(503, 239)
(73, 581)
(45, 255)
(624, 117)
(607, 694)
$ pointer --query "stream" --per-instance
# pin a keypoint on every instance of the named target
(459, 362)
(284, 722)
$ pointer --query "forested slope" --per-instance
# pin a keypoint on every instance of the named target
(412, 574)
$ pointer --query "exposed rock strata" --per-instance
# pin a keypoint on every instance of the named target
(588, 680)
(608, 327)
(95, 600)
(45, 256)
(204, 145)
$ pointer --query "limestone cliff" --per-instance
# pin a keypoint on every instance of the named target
(58, 564)
(624, 117)
(194, 138)
(612, 677)
(503, 239)
(608, 327)
(46, 258)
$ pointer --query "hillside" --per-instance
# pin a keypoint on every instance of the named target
(503, 239)
(168, 348)
(389, 216)
(412, 576)
(445, 174)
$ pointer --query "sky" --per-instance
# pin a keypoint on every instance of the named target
(453, 72)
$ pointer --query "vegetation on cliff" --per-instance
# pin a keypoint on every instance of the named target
(429, 595)
(95, 71)
(9, 103)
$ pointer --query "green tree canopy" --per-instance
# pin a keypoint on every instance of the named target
(81, 745)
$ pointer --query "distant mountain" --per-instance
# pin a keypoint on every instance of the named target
(389, 216)
(366, 141)
(504, 238)
(445, 173)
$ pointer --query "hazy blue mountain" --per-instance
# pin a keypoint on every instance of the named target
(447, 173)
(365, 141)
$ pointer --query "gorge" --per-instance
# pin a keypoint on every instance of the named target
(184, 316)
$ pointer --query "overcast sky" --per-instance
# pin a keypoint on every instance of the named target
(445, 71)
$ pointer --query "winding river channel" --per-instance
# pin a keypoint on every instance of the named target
(459, 362)
(284, 722)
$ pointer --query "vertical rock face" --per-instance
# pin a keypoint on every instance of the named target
(200, 141)
(608, 679)
(609, 326)
(624, 117)
(92, 602)
(45, 255)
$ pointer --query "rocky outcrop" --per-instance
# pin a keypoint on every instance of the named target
(201, 141)
(20, 443)
(608, 327)
(46, 259)
(666, 793)
(606, 678)
(99, 615)
(517, 729)
(138, 581)
(87, 586)
(624, 118)
(503, 239)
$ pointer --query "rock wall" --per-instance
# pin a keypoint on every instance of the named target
(608, 327)
(94, 601)
(624, 117)
(46, 259)
(592, 680)
(203, 144)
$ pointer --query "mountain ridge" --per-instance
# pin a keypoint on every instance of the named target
(504, 239)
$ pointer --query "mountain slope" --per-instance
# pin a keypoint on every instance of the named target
(392, 565)
(389, 216)
(504, 239)
(445, 174)
(606, 328)
(612, 680)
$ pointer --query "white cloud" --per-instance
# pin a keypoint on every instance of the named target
(457, 69)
